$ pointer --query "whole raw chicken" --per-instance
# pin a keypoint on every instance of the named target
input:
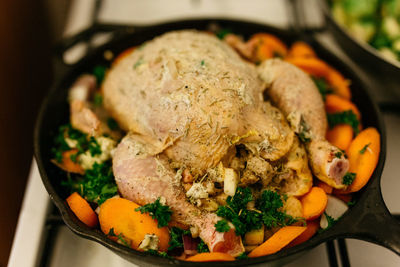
(188, 101)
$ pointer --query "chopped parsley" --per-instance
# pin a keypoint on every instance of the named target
(94, 147)
(351, 203)
(348, 178)
(237, 213)
(158, 211)
(346, 117)
(99, 71)
(83, 142)
(202, 63)
(222, 33)
(331, 221)
(362, 151)
(112, 124)
(222, 226)
(74, 157)
(322, 86)
(120, 237)
(97, 185)
(304, 132)
(242, 256)
(176, 240)
(338, 154)
(202, 247)
(270, 204)
(97, 100)
(267, 211)
(138, 63)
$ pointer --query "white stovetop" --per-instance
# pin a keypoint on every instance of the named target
(71, 250)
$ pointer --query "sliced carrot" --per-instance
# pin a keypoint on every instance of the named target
(263, 52)
(340, 136)
(301, 49)
(312, 228)
(119, 214)
(335, 103)
(81, 208)
(314, 203)
(277, 241)
(363, 155)
(266, 46)
(123, 54)
(211, 256)
(311, 65)
(345, 198)
(327, 188)
(67, 164)
(339, 84)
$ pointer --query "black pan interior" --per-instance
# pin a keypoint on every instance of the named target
(55, 112)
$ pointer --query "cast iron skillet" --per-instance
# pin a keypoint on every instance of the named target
(368, 219)
(361, 52)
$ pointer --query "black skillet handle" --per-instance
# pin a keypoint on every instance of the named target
(85, 36)
(370, 220)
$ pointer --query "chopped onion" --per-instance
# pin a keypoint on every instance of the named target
(190, 245)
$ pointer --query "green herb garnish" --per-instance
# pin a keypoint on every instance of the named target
(202, 247)
(97, 185)
(338, 154)
(362, 151)
(176, 240)
(351, 203)
(267, 211)
(222, 226)
(347, 117)
(112, 124)
(222, 33)
(237, 213)
(331, 221)
(94, 147)
(138, 63)
(348, 178)
(270, 204)
(158, 211)
(322, 86)
(120, 237)
(97, 100)
(99, 71)
(242, 256)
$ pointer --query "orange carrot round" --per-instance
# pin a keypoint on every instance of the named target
(67, 164)
(301, 49)
(314, 203)
(211, 256)
(120, 215)
(340, 136)
(363, 155)
(335, 103)
(81, 208)
(277, 241)
(268, 45)
(312, 228)
(327, 188)
(339, 84)
(311, 65)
